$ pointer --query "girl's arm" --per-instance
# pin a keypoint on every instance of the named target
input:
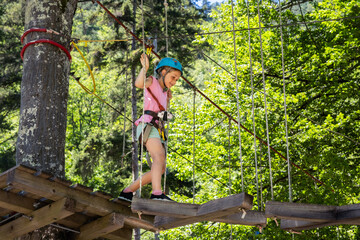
(142, 75)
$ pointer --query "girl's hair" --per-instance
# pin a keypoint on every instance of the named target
(167, 68)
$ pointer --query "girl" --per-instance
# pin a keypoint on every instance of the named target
(156, 99)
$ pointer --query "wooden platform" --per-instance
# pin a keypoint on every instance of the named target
(30, 200)
(344, 215)
(233, 209)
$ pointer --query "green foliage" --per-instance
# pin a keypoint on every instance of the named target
(11, 28)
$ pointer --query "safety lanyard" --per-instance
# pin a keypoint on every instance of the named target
(156, 100)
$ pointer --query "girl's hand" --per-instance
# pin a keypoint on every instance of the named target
(144, 61)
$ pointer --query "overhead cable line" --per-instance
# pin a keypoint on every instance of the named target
(257, 28)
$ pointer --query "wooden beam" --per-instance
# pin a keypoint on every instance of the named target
(16, 203)
(300, 211)
(163, 208)
(37, 219)
(121, 234)
(85, 202)
(101, 226)
(209, 211)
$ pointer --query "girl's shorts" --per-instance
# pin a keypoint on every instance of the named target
(154, 133)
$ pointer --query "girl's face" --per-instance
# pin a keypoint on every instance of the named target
(171, 77)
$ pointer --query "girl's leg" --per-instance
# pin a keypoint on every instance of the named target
(157, 152)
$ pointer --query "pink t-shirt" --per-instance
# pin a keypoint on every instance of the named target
(150, 103)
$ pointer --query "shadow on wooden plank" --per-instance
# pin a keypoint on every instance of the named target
(300, 211)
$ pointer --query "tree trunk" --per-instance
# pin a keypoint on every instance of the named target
(44, 93)
(44, 87)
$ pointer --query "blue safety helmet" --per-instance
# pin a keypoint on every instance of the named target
(169, 62)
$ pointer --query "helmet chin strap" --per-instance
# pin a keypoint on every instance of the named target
(163, 80)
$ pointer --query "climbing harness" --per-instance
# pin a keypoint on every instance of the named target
(158, 120)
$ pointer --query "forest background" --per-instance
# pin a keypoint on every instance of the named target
(320, 45)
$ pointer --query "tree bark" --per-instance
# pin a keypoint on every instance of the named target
(44, 93)
(44, 87)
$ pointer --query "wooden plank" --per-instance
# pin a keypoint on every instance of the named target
(210, 211)
(101, 226)
(37, 219)
(163, 208)
(300, 211)
(121, 234)
(252, 218)
(85, 202)
(214, 208)
(225, 206)
(16, 203)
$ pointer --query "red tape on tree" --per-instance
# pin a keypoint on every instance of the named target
(45, 41)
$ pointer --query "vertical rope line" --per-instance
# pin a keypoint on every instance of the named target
(266, 114)
(229, 156)
(194, 134)
(168, 107)
(285, 106)
(125, 104)
(142, 123)
(253, 108)
(166, 28)
(237, 95)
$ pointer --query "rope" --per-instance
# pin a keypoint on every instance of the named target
(168, 107)
(102, 100)
(37, 30)
(166, 28)
(237, 95)
(90, 71)
(194, 133)
(229, 156)
(285, 112)
(142, 123)
(125, 104)
(45, 41)
(266, 115)
(253, 110)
